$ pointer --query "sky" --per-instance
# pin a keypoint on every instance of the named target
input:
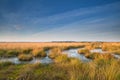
(59, 20)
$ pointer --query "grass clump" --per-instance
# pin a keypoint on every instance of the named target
(92, 55)
(55, 52)
(73, 47)
(25, 57)
(39, 53)
(9, 53)
(2, 52)
(27, 51)
(97, 55)
(83, 51)
(4, 64)
(63, 58)
(117, 52)
(12, 53)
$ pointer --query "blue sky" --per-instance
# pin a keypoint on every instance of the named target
(59, 20)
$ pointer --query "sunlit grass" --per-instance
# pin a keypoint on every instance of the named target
(25, 57)
(39, 53)
(102, 67)
(83, 51)
(55, 52)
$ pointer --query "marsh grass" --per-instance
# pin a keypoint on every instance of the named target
(27, 51)
(2, 52)
(102, 67)
(65, 69)
(55, 52)
(116, 52)
(107, 69)
(72, 47)
(9, 52)
(39, 53)
(12, 53)
(63, 58)
(96, 55)
(4, 64)
(25, 57)
(83, 51)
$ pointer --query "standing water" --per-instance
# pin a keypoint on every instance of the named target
(15, 60)
(74, 53)
(101, 51)
(97, 50)
(46, 60)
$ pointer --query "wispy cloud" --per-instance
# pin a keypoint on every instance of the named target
(74, 14)
(85, 23)
(90, 28)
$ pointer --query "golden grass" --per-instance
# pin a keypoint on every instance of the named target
(103, 66)
(83, 51)
(55, 52)
(25, 57)
(24, 45)
(39, 53)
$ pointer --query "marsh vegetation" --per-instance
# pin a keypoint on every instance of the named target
(67, 61)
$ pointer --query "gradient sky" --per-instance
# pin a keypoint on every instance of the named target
(59, 20)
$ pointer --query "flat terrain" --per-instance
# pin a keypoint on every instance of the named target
(59, 61)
